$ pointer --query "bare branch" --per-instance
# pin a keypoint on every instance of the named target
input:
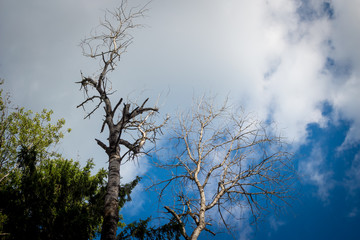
(87, 100)
(103, 145)
(177, 217)
(232, 158)
(136, 125)
(116, 106)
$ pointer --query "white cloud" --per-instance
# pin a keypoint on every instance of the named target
(246, 231)
(352, 180)
(134, 168)
(128, 172)
(275, 223)
(260, 51)
(137, 203)
(314, 171)
(345, 36)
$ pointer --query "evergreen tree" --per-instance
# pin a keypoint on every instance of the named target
(52, 199)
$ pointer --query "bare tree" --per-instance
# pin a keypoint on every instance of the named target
(222, 162)
(133, 124)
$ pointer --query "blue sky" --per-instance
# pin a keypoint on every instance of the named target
(294, 62)
(328, 196)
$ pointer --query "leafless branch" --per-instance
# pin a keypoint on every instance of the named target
(135, 124)
(177, 217)
(227, 159)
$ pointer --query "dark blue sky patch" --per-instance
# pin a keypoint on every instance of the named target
(329, 139)
(311, 220)
(310, 217)
(338, 69)
(328, 10)
(307, 13)
(273, 67)
(326, 109)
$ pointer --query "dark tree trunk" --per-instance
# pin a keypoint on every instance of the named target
(133, 123)
(111, 208)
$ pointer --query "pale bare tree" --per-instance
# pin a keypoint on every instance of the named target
(129, 125)
(220, 162)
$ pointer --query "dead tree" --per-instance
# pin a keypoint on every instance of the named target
(221, 162)
(129, 125)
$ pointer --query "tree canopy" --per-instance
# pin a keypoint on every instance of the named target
(52, 199)
(20, 127)
(43, 195)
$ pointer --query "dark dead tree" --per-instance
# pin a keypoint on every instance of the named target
(129, 125)
(221, 163)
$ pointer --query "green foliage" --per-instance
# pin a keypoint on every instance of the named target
(44, 196)
(52, 199)
(24, 128)
(125, 191)
(141, 230)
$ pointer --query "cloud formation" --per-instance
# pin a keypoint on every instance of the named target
(280, 59)
(352, 180)
(314, 171)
